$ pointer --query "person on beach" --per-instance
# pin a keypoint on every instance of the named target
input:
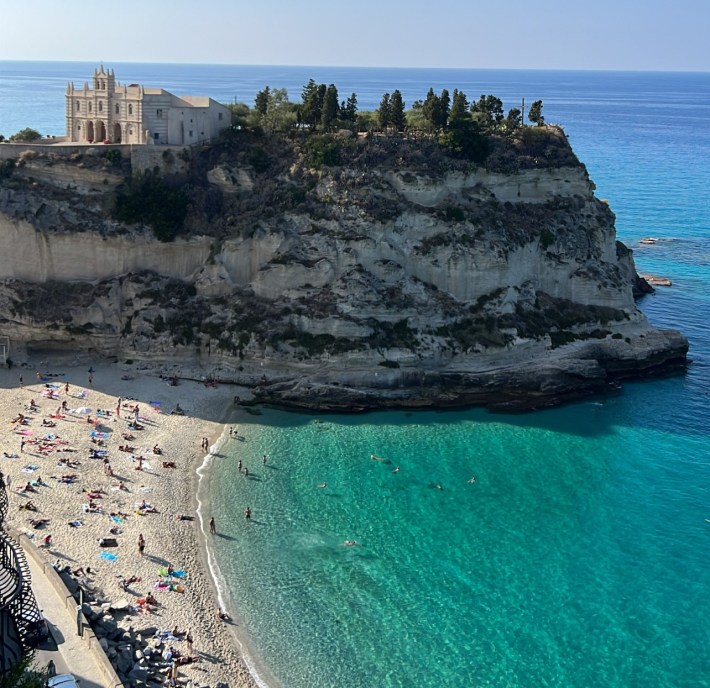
(66, 388)
(189, 639)
(141, 545)
(22, 383)
(118, 406)
(213, 527)
(22, 446)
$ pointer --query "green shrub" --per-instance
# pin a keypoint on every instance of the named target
(148, 199)
(25, 136)
(389, 364)
(113, 156)
(323, 150)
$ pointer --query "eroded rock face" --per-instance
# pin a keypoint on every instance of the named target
(401, 276)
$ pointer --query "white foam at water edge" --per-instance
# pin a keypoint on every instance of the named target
(215, 572)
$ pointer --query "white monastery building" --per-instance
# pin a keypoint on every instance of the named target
(112, 113)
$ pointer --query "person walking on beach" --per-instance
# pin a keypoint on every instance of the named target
(141, 544)
(22, 383)
(66, 388)
(118, 406)
(213, 527)
(189, 639)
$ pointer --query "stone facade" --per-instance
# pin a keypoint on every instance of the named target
(115, 113)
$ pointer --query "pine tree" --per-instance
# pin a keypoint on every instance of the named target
(331, 108)
(535, 113)
(459, 108)
(384, 112)
(444, 107)
(397, 117)
(350, 109)
(261, 102)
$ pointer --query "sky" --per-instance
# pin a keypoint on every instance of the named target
(652, 35)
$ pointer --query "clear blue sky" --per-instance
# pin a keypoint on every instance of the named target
(577, 34)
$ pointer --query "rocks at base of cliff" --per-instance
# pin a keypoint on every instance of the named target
(570, 373)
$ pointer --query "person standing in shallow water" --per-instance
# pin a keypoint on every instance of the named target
(247, 513)
(213, 527)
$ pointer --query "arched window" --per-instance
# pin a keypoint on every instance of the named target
(89, 107)
(101, 106)
(78, 106)
(130, 109)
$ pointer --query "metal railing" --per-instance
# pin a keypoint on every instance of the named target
(21, 623)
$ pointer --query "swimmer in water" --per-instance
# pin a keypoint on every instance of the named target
(439, 487)
(323, 485)
(472, 480)
(396, 470)
(349, 543)
(376, 458)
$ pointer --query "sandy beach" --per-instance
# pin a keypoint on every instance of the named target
(51, 449)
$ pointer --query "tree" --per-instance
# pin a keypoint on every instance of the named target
(459, 108)
(349, 111)
(431, 109)
(311, 110)
(280, 113)
(488, 112)
(535, 114)
(330, 109)
(261, 102)
(384, 112)
(444, 108)
(514, 119)
(25, 136)
(397, 118)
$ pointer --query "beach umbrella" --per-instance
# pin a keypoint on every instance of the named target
(82, 409)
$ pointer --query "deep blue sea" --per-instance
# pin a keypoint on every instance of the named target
(581, 555)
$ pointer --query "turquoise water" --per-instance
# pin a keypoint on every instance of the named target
(577, 558)
(580, 557)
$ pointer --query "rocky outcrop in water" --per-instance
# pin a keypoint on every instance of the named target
(395, 275)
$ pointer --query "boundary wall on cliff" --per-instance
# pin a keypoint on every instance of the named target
(169, 159)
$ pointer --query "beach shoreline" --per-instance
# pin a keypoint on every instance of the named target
(167, 481)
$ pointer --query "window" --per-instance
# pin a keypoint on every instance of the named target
(156, 136)
(117, 108)
(219, 116)
(78, 127)
(159, 113)
(89, 107)
(78, 106)
(130, 109)
(190, 133)
(101, 106)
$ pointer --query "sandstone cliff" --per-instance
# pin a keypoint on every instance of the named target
(337, 272)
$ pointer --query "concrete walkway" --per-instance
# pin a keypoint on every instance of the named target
(68, 651)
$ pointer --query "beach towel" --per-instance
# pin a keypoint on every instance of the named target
(178, 573)
(76, 524)
(82, 395)
(84, 410)
(108, 556)
(30, 468)
(118, 519)
(98, 434)
(156, 404)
